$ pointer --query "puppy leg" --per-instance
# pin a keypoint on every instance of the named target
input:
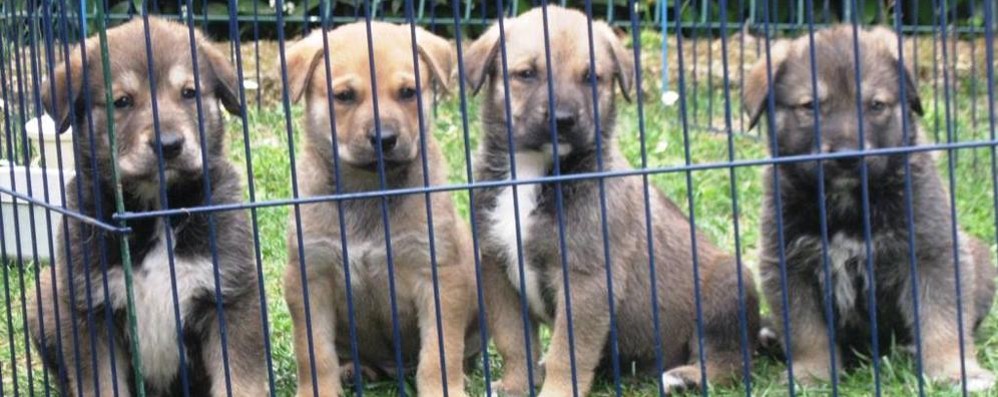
(455, 317)
(722, 331)
(505, 321)
(94, 377)
(809, 342)
(247, 372)
(940, 334)
(591, 326)
(321, 258)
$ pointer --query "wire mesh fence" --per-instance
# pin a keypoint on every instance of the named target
(486, 198)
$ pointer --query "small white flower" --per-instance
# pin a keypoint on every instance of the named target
(250, 84)
(670, 98)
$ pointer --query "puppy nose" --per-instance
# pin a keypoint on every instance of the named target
(564, 119)
(848, 162)
(173, 145)
(387, 140)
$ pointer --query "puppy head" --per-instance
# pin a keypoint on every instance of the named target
(348, 88)
(793, 94)
(526, 62)
(70, 99)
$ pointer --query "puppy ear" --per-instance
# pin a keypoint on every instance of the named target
(438, 54)
(889, 40)
(302, 59)
(480, 58)
(226, 81)
(62, 91)
(757, 85)
(623, 60)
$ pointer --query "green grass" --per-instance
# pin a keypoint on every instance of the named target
(665, 144)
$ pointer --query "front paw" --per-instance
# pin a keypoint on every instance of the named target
(978, 379)
(681, 379)
(510, 387)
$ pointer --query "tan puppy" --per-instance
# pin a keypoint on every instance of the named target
(537, 231)
(359, 142)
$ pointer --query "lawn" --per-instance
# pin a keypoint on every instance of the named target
(664, 134)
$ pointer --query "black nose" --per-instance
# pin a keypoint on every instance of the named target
(173, 145)
(848, 162)
(387, 141)
(564, 119)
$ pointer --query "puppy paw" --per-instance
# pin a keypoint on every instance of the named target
(505, 388)
(978, 380)
(681, 379)
(347, 374)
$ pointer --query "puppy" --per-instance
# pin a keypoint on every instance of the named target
(883, 113)
(93, 255)
(348, 82)
(538, 232)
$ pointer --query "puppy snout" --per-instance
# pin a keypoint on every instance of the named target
(847, 162)
(386, 140)
(564, 119)
(173, 145)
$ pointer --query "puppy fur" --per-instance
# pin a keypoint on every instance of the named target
(538, 232)
(883, 122)
(78, 287)
(351, 119)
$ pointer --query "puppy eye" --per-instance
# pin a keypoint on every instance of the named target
(407, 93)
(809, 105)
(188, 93)
(589, 77)
(345, 96)
(877, 106)
(525, 74)
(124, 101)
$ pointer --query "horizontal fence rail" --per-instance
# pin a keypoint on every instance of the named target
(409, 197)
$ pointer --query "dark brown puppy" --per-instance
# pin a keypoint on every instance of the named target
(359, 141)
(883, 121)
(73, 94)
(538, 225)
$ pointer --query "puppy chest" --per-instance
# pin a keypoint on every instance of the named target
(512, 222)
(156, 292)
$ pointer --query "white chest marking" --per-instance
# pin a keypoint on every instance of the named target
(157, 327)
(841, 250)
(529, 165)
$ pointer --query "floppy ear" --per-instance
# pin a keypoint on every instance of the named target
(438, 54)
(62, 91)
(226, 81)
(302, 59)
(480, 58)
(757, 85)
(889, 40)
(623, 60)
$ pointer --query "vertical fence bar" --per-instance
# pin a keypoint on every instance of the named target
(907, 140)
(126, 257)
(286, 106)
(702, 355)
(735, 210)
(254, 219)
(507, 108)
(777, 199)
(426, 196)
(163, 198)
(476, 249)
(344, 247)
(951, 166)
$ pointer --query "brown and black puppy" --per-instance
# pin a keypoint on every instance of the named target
(75, 97)
(538, 232)
(351, 120)
(883, 120)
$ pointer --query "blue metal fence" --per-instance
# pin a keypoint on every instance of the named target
(37, 38)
